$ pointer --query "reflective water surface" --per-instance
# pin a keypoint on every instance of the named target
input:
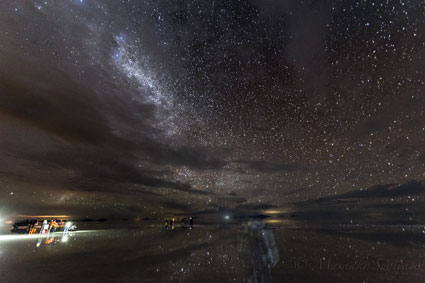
(253, 251)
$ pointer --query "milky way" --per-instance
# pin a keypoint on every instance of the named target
(144, 107)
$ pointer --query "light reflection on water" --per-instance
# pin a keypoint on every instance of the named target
(254, 251)
(56, 235)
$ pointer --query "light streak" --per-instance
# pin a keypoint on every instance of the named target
(5, 238)
(277, 221)
(39, 216)
(276, 211)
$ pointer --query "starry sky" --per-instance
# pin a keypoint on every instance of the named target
(158, 107)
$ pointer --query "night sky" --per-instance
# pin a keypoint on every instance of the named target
(148, 108)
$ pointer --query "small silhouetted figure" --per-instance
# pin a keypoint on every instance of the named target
(190, 223)
(166, 223)
(184, 222)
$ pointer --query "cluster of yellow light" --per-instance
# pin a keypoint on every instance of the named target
(276, 211)
(276, 221)
(271, 211)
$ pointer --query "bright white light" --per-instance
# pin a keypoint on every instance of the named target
(36, 236)
(18, 237)
(4, 221)
(227, 217)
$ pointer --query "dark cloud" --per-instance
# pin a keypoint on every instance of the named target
(392, 204)
(381, 191)
(65, 111)
(256, 207)
(268, 166)
(176, 206)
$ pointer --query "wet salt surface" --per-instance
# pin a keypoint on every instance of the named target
(117, 252)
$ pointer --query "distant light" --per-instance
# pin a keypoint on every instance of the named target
(4, 221)
(276, 211)
(272, 211)
(227, 217)
(275, 221)
(40, 216)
